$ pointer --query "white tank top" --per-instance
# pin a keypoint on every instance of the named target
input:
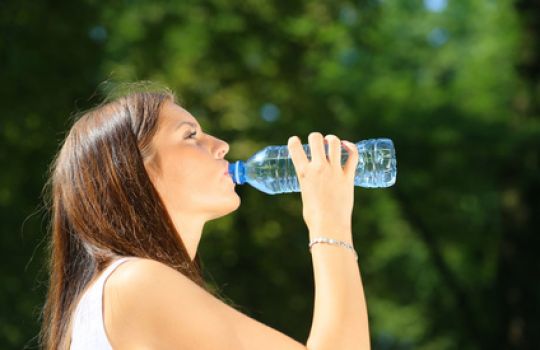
(88, 330)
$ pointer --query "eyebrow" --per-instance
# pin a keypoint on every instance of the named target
(184, 122)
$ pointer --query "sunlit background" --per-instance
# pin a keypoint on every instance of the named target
(448, 255)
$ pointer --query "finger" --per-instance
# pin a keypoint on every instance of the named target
(352, 161)
(297, 154)
(316, 146)
(334, 150)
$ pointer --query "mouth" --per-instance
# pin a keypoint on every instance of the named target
(230, 178)
(226, 172)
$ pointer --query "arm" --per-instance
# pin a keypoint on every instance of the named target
(340, 319)
(148, 305)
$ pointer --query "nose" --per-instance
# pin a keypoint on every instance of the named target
(222, 149)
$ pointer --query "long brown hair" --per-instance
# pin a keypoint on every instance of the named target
(103, 204)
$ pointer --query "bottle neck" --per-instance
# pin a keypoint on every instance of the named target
(237, 171)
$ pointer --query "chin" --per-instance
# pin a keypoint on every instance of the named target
(229, 207)
(235, 204)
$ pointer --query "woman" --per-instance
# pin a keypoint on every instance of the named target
(131, 189)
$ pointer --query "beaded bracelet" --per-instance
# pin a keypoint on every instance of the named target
(332, 241)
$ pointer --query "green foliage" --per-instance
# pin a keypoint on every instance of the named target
(447, 254)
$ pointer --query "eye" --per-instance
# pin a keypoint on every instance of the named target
(190, 136)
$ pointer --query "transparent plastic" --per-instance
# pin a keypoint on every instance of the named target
(271, 170)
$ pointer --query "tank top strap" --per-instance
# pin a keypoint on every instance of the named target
(109, 269)
(89, 328)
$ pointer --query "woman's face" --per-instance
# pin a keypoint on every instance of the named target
(193, 178)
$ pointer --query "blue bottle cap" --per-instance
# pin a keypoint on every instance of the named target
(237, 172)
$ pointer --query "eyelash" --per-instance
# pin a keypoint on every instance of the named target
(191, 135)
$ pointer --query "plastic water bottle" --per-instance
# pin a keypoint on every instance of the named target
(271, 170)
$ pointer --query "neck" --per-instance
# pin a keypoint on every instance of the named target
(190, 231)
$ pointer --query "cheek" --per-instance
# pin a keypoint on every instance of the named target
(188, 174)
(192, 188)
(185, 175)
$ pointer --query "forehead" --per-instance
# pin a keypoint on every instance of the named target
(172, 115)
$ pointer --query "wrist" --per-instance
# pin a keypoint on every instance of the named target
(331, 241)
(342, 234)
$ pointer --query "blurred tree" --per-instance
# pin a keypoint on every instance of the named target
(447, 255)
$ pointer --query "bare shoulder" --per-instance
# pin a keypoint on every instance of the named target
(149, 305)
(143, 273)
